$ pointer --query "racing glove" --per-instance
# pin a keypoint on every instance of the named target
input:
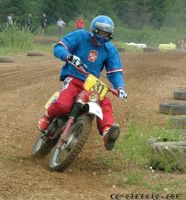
(122, 93)
(75, 60)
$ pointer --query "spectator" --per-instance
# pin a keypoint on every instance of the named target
(60, 25)
(10, 19)
(182, 45)
(178, 44)
(29, 22)
(43, 23)
(79, 23)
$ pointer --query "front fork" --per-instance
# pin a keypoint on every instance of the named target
(75, 112)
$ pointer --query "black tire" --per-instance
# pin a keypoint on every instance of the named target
(180, 131)
(179, 122)
(35, 53)
(180, 94)
(171, 147)
(174, 108)
(168, 156)
(6, 59)
(60, 159)
(42, 146)
(151, 50)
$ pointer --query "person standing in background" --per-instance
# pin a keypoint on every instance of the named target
(10, 19)
(182, 45)
(79, 23)
(60, 24)
(43, 23)
(29, 22)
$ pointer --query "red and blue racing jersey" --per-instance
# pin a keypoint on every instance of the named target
(96, 58)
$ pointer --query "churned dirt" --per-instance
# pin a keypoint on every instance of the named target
(26, 85)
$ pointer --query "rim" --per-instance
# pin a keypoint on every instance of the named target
(38, 146)
(60, 154)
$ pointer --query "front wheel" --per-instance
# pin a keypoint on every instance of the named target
(42, 146)
(61, 158)
(46, 141)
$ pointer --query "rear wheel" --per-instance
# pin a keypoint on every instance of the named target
(61, 158)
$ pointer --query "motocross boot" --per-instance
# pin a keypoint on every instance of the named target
(110, 136)
(44, 122)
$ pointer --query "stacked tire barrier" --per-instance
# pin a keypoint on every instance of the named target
(9, 59)
(177, 110)
(6, 59)
(151, 50)
(168, 155)
(35, 53)
(173, 152)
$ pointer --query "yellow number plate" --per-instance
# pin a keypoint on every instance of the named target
(94, 84)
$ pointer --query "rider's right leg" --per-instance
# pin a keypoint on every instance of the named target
(71, 88)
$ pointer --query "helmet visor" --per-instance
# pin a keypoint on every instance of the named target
(103, 33)
(104, 27)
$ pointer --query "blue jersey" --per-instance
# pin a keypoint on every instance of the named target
(80, 43)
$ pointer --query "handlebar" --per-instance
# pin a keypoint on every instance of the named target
(81, 69)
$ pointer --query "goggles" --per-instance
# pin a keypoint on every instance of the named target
(103, 33)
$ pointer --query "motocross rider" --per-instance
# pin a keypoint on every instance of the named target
(94, 49)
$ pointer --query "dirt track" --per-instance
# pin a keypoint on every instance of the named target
(25, 86)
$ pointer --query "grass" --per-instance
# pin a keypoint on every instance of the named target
(132, 159)
(134, 145)
(15, 36)
(9, 51)
(16, 39)
(135, 178)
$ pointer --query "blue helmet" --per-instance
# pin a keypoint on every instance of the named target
(102, 28)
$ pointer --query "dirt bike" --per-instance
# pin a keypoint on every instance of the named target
(66, 135)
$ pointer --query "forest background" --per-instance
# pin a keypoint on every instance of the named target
(142, 21)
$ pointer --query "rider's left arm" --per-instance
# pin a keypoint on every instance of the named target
(117, 80)
(114, 69)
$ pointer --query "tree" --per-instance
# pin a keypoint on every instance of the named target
(176, 17)
(133, 13)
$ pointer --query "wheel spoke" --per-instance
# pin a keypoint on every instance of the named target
(60, 154)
